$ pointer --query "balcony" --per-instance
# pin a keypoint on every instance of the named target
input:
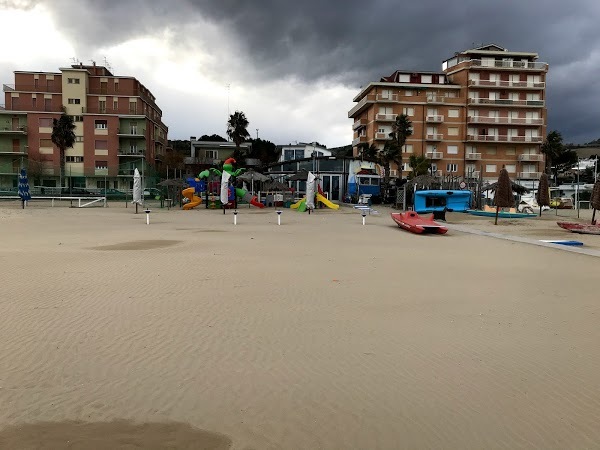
(359, 140)
(385, 117)
(506, 120)
(21, 129)
(434, 119)
(434, 137)
(529, 175)
(359, 123)
(387, 97)
(434, 155)
(516, 65)
(474, 174)
(435, 99)
(139, 152)
(32, 88)
(534, 157)
(131, 133)
(10, 150)
(503, 138)
(473, 156)
(382, 136)
(506, 84)
(506, 102)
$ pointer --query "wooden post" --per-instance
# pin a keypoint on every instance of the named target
(497, 211)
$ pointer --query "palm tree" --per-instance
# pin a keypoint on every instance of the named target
(420, 166)
(391, 153)
(63, 137)
(368, 152)
(401, 130)
(237, 130)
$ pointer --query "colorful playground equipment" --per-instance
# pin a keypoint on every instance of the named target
(300, 205)
(199, 186)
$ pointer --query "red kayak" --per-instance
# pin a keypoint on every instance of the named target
(411, 221)
(581, 228)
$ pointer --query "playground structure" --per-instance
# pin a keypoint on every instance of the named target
(300, 205)
(201, 185)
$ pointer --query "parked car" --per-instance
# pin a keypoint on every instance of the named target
(77, 191)
(152, 193)
(111, 193)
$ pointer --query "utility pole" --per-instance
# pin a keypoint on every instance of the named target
(257, 134)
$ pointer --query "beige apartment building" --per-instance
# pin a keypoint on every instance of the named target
(118, 128)
(484, 110)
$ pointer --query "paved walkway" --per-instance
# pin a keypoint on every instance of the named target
(507, 237)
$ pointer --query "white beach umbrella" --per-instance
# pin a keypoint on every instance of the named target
(137, 188)
(225, 187)
(310, 190)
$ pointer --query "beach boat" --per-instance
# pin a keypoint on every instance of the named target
(580, 228)
(488, 211)
(411, 221)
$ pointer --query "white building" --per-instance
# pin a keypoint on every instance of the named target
(301, 150)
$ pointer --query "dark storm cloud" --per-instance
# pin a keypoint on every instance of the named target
(353, 42)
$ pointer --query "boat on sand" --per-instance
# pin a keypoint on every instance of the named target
(580, 228)
(411, 221)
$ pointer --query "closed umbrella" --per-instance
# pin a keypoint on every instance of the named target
(24, 187)
(310, 191)
(595, 200)
(137, 189)
(503, 197)
(543, 193)
(252, 176)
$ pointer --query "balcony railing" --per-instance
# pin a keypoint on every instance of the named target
(387, 97)
(140, 152)
(14, 150)
(359, 140)
(474, 174)
(528, 175)
(21, 129)
(382, 136)
(520, 65)
(131, 132)
(56, 89)
(386, 117)
(503, 138)
(359, 123)
(506, 120)
(531, 157)
(434, 155)
(434, 137)
(473, 156)
(505, 102)
(507, 84)
(435, 119)
(433, 99)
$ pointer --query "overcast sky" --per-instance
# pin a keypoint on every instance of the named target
(294, 66)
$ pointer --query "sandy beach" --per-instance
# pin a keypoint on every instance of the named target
(320, 333)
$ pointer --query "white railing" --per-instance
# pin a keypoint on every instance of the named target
(434, 155)
(437, 119)
(528, 175)
(391, 117)
(531, 157)
(506, 120)
(382, 136)
(505, 102)
(431, 98)
(526, 65)
(507, 84)
(473, 156)
(359, 140)
(502, 138)
(387, 97)
(434, 137)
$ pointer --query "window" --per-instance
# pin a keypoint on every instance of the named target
(74, 159)
(490, 150)
(490, 168)
(450, 94)
(102, 106)
(77, 118)
(450, 168)
(408, 148)
(101, 124)
(408, 93)
(452, 131)
(73, 80)
(116, 85)
(510, 168)
(212, 154)
(425, 78)
(452, 149)
(33, 102)
(100, 184)
(404, 78)
(101, 165)
(45, 122)
(408, 111)
(115, 105)
(74, 101)
(101, 144)
(434, 167)
(511, 151)
(46, 143)
(291, 154)
(78, 138)
(453, 113)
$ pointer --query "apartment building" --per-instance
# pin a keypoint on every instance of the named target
(484, 110)
(118, 128)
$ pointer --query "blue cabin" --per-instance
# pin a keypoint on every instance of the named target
(429, 201)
